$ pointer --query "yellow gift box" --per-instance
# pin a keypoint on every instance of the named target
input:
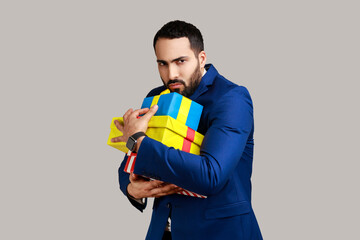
(166, 130)
(173, 133)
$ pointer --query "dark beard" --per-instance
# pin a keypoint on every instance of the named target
(194, 83)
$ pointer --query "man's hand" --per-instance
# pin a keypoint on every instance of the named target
(133, 123)
(142, 188)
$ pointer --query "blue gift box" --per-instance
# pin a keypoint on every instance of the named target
(176, 106)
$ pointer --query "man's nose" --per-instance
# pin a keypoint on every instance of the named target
(173, 72)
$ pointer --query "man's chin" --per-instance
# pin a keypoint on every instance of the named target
(177, 90)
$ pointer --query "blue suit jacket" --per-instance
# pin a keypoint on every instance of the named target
(222, 172)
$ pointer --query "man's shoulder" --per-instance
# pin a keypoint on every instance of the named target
(225, 87)
(221, 84)
(156, 91)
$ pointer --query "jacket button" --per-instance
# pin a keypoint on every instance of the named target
(168, 205)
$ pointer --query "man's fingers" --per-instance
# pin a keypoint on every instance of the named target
(135, 177)
(140, 112)
(167, 193)
(119, 125)
(118, 139)
(121, 129)
(151, 112)
(165, 190)
(161, 194)
(132, 177)
(156, 183)
(127, 114)
(144, 188)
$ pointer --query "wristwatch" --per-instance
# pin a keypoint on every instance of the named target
(131, 142)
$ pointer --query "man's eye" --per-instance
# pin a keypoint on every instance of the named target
(181, 61)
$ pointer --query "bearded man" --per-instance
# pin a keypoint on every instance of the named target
(223, 169)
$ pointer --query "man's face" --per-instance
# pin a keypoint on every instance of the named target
(179, 68)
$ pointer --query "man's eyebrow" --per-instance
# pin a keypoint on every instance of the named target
(161, 61)
(174, 60)
(179, 58)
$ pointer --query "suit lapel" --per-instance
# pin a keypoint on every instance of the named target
(206, 81)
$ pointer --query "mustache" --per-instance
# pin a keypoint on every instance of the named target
(175, 81)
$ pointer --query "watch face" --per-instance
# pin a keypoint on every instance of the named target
(131, 143)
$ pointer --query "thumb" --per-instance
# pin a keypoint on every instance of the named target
(151, 112)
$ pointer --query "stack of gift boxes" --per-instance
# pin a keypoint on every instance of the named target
(174, 124)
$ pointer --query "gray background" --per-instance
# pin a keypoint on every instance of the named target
(68, 67)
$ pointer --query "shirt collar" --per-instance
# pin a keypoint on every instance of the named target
(204, 72)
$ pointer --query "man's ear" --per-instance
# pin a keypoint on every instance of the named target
(202, 59)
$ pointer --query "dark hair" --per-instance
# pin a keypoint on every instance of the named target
(179, 29)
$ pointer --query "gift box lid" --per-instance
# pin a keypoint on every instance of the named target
(176, 106)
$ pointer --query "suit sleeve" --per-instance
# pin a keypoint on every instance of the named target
(231, 123)
(124, 182)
